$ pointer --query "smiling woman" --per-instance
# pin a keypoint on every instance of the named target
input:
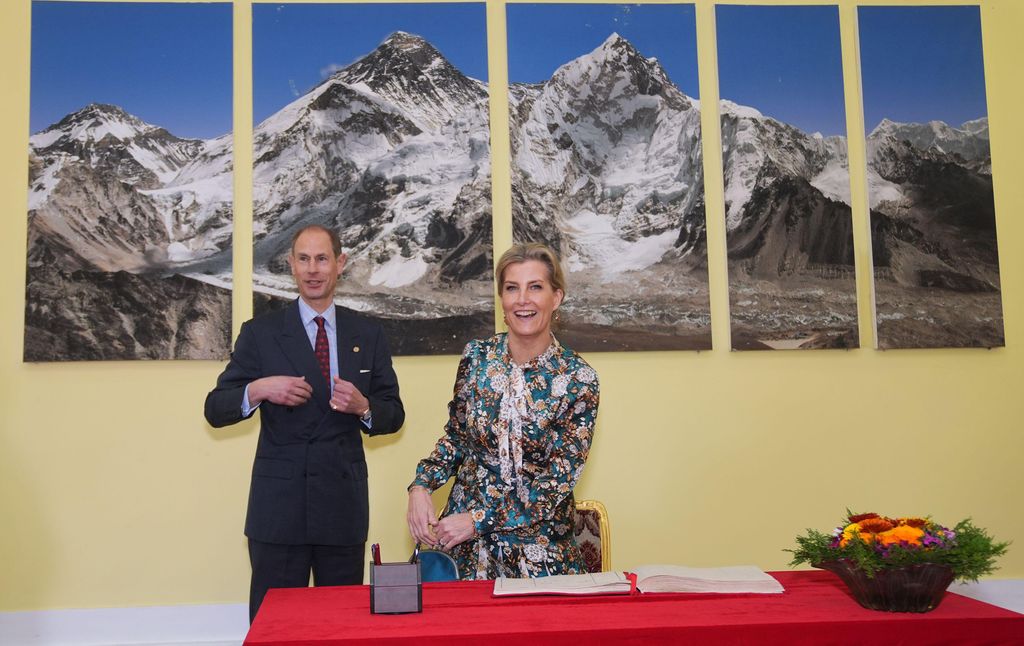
(532, 287)
(519, 431)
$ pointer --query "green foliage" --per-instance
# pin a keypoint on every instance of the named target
(968, 550)
(975, 553)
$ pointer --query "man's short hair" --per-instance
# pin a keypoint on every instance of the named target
(331, 233)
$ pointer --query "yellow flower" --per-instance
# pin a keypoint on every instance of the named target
(854, 529)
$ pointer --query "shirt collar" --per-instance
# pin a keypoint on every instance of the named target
(307, 314)
(547, 357)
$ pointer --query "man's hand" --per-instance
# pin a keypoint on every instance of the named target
(284, 391)
(454, 529)
(421, 516)
(346, 398)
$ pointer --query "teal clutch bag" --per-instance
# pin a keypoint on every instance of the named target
(435, 565)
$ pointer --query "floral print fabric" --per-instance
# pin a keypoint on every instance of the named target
(516, 441)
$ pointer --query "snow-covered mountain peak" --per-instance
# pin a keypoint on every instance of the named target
(729, 107)
(970, 141)
(977, 127)
(615, 41)
(393, 152)
(401, 55)
(105, 137)
(616, 50)
(101, 112)
(94, 122)
(407, 70)
(613, 68)
(403, 40)
(122, 194)
(884, 126)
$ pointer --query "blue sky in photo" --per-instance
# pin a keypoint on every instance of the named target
(543, 37)
(785, 61)
(296, 46)
(167, 63)
(920, 64)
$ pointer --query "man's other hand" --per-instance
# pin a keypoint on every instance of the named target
(284, 391)
(346, 398)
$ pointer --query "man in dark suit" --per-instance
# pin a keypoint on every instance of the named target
(319, 375)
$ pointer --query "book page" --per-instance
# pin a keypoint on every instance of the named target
(591, 583)
(679, 578)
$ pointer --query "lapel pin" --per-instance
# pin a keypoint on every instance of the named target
(355, 348)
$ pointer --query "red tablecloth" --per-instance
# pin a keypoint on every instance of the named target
(815, 609)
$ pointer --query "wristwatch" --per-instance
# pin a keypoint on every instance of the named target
(366, 416)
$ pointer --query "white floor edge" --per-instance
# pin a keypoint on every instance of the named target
(226, 625)
(1005, 593)
(209, 625)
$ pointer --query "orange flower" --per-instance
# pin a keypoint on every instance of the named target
(901, 534)
(914, 522)
(876, 525)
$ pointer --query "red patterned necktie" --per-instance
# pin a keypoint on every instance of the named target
(322, 349)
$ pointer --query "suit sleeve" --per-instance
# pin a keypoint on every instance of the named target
(385, 402)
(224, 403)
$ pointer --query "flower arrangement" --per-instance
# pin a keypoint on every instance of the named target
(870, 543)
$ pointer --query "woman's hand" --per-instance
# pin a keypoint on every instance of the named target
(454, 529)
(421, 516)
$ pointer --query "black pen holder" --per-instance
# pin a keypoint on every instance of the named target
(395, 588)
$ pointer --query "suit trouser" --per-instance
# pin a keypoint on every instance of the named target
(288, 566)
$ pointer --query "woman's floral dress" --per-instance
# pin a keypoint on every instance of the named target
(516, 441)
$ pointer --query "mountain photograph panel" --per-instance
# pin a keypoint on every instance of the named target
(789, 235)
(372, 120)
(929, 175)
(607, 168)
(130, 182)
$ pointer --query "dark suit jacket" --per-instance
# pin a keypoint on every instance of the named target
(309, 479)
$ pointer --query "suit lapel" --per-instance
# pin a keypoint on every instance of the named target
(295, 343)
(348, 347)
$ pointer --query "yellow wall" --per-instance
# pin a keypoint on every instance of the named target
(115, 492)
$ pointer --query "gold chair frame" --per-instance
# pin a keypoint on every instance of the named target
(604, 527)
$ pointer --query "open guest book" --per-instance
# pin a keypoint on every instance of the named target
(649, 578)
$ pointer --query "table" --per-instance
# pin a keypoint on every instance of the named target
(815, 609)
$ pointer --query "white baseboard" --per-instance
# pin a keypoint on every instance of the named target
(213, 625)
(226, 625)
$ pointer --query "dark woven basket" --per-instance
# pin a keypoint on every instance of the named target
(911, 588)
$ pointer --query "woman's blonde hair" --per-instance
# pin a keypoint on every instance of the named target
(532, 251)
